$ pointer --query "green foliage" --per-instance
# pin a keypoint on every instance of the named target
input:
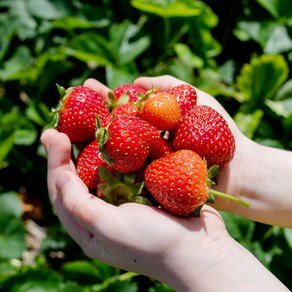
(242, 55)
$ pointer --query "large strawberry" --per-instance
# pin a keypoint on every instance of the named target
(126, 142)
(205, 131)
(75, 113)
(180, 183)
(161, 110)
(87, 164)
(185, 95)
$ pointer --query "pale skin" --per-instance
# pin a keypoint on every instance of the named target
(189, 254)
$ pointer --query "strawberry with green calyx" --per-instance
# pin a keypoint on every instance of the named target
(87, 163)
(205, 131)
(121, 188)
(124, 94)
(161, 110)
(75, 113)
(180, 183)
(185, 95)
(126, 142)
(132, 91)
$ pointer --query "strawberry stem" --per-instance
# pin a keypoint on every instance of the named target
(229, 197)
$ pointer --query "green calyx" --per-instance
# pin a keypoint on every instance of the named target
(55, 112)
(212, 172)
(121, 188)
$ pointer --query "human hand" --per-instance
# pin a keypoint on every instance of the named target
(131, 236)
(145, 239)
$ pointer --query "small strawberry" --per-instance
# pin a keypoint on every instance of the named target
(206, 132)
(161, 110)
(185, 95)
(161, 148)
(75, 113)
(180, 183)
(126, 142)
(87, 163)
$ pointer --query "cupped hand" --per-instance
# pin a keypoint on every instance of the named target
(131, 236)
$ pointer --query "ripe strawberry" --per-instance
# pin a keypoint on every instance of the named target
(180, 183)
(132, 91)
(206, 132)
(126, 109)
(161, 148)
(161, 110)
(75, 113)
(127, 142)
(87, 163)
(185, 95)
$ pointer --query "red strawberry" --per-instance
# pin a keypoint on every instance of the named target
(161, 110)
(185, 95)
(87, 163)
(75, 113)
(127, 142)
(132, 91)
(161, 148)
(206, 132)
(126, 109)
(180, 183)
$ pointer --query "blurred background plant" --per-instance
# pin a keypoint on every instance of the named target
(238, 51)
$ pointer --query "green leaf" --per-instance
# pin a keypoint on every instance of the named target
(285, 91)
(12, 240)
(48, 9)
(186, 56)
(165, 8)
(260, 79)
(248, 123)
(17, 66)
(277, 8)
(125, 42)
(282, 108)
(90, 47)
(288, 236)
(85, 271)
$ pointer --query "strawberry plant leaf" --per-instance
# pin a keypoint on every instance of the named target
(12, 240)
(260, 79)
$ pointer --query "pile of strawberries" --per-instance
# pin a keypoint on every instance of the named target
(151, 147)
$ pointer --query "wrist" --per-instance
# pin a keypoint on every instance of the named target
(220, 264)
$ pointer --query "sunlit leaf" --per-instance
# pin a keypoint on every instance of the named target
(48, 9)
(260, 79)
(248, 123)
(167, 8)
(185, 55)
(126, 43)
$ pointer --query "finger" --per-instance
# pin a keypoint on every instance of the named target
(98, 87)
(62, 205)
(84, 208)
(162, 82)
(58, 149)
